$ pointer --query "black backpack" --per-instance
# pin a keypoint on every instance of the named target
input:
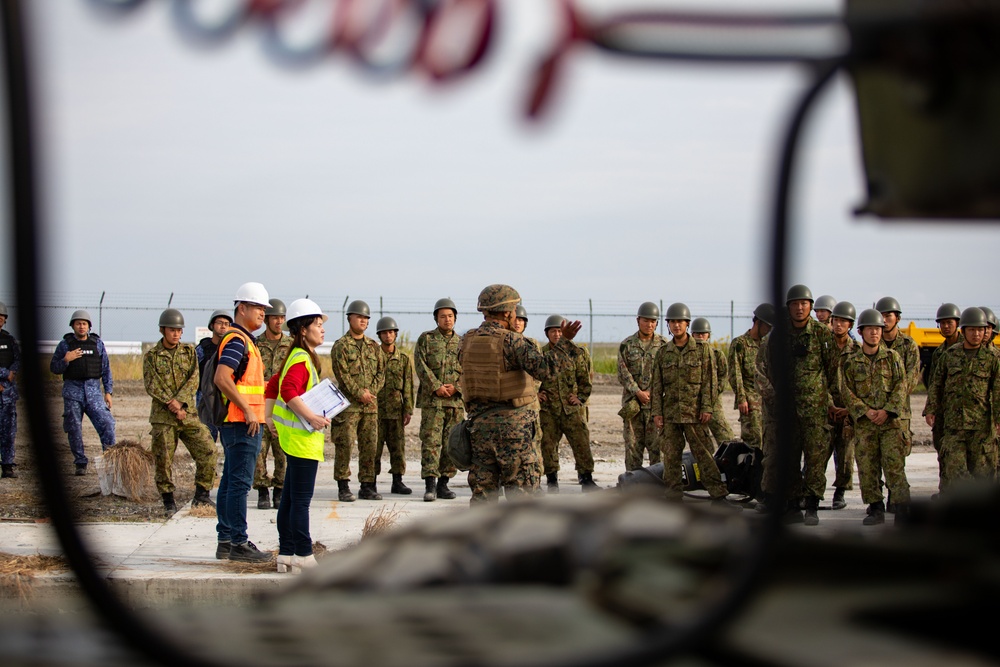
(213, 408)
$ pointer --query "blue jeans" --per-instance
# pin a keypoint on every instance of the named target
(293, 512)
(241, 450)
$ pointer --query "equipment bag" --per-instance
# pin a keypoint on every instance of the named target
(460, 445)
(214, 407)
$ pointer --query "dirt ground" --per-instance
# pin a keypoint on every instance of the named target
(19, 500)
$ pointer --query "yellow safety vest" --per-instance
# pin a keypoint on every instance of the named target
(293, 437)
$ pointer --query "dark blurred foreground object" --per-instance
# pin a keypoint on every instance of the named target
(927, 79)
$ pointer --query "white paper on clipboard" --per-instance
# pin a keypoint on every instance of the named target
(324, 399)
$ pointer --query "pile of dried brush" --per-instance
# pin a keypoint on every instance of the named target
(380, 521)
(17, 572)
(130, 469)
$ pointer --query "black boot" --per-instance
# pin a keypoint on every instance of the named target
(398, 486)
(201, 497)
(902, 514)
(811, 518)
(552, 482)
(443, 492)
(369, 492)
(168, 502)
(263, 501)
(430, 489)
(8, 471)
(792, 513)
(344, 494)
(276, 497)
(876, 514)
(587, 483)
(838, 499)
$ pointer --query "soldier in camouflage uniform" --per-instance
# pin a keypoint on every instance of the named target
(395, 405)
(811, 349)
(563, 398)
(170, 375)
(498, 365)
(10, 365)
(841, 427)
(965, 394)
(873, 387)
(823, 308)
(948, 316)
(520, 324)
(274, 346)
(742, 375)
(359, 367)
(908, 351)
(683, 395)
(636, 355)
(439, 399)
(701, 329)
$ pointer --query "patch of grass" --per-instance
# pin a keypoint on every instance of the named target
(380, 521)
(18, 572)
(203, 512)
(132, 465)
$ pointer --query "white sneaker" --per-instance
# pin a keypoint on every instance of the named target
(284, 563)
(300, 563)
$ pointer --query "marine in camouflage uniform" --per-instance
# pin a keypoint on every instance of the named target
(439, 370)
(873, 388)
(274, 347)
(965, 394)
(683, 395)
(10, 365)
(502, 431)
(170, 376)
(395, 406)
(359, 367)
(563, 411)
(813, 355)
(636, 355)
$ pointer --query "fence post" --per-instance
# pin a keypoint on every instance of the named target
(343, 315)
(100, 316)
(170, 300)
(380, 306)
(591, 302)
(731, 315)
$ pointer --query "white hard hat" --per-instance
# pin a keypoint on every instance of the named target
(252, 293)
(304, 308)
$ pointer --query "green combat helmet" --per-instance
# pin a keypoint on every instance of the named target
(3, 309)
(498, 298)
(521, 313)
(359, 307)
(991, 317)
(217, 314)
(554, 322)
(386, 324)
(678, 311)
(948, 311)
(870, 317)
(796, 292)
(172, 318)
(701, 325)
(973, 317)
(845, 310)
(887, 304)
(765, 313)
(445, 303)
(277, 307)
(825, 302)
(649, 310)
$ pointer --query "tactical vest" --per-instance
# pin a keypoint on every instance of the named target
(6, 349)
(87, 367)
(485, 377)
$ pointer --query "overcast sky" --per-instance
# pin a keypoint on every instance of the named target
(172, 168)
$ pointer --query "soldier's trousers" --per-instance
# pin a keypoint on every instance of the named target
(8, 431)
(199, 444)
(719, 425)
(907, 434)
(842, 449)
(699, 440)
(350, 428)
(554, 425)
(97, 411)
(503, 455)
(435, 427)
(751, 426)
(811, 441)
(639, 434)
(967, 453)
(878, 450)
(391, 435)
(260, 478)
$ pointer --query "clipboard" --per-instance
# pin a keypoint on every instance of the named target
(324, 399)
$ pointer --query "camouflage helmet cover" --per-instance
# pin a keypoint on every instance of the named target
(498, 298)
